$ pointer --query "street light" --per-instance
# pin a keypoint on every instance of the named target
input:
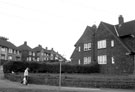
(60, 75)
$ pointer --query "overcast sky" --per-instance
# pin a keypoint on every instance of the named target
(58, 24)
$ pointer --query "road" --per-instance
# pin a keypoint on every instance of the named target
(4, 83)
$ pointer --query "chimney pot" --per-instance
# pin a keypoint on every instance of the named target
(121, 20)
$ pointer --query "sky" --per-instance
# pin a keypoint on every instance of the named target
(57, 24)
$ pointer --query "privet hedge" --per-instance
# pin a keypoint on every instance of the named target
(37, 67)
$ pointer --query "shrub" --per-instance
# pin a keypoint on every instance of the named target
(78, 80)
(38, 67)
(16, 66)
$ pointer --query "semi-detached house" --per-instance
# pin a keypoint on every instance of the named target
(111, 46)
(8, 51)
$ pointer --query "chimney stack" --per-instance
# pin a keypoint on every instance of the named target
(94, 27)
(46, 48)
(39, 45)
(25, 42)
(121, 20)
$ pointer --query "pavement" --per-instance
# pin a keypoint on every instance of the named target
(4, 83)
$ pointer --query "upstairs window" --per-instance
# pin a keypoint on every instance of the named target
(10, 51)
(14, 51)
(18, 52)
(79, 48)
(33, 53)
(87, 46)
(87, 60)
(3, 49)
(30, 53)
(112, 43)
(102, 59)
(101, 44)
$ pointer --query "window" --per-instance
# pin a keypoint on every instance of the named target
(3, 57)
(30, 53)
(87, 46)
(14, 51)
(102, 59)
(87, 60)
(33, 54)
(101, 44)
(9, 57)
(113, 60)
(10, 51)
(79, 48)
(29, 58)
(37, 59)
(79, 62)
(112, 43)
(18, 52)
(3, 49)
(33, 59)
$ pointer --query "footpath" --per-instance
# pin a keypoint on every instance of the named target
(4, 83)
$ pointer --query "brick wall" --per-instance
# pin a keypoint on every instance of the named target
(123, 63)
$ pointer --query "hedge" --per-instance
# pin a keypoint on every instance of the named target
(40, 67)
(77, 80)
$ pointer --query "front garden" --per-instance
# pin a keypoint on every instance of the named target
(48, 74)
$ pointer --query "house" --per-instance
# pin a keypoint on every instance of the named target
(114, 48)
(39, 53)
(56, 56)
(27, 53)
(8, 51)
(84, 47)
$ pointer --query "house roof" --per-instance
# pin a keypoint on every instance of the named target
(24, 47)
(4, 42)
(118, 33)
(126, 28)
(38, 48)
(86, 35)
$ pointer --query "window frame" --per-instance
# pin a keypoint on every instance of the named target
(101, 44)
(87, 60)
(87, 46)
(112, 43)
(102, 59)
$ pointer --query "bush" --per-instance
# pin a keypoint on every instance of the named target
(78, 80)
(38, 67)
(15, 66)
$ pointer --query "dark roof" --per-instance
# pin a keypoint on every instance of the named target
(86, 35)
(24, 47)
(4, 42)
(126, 28)
(124, 41)
(38, 48)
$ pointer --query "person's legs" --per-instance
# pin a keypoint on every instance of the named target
(26, 80)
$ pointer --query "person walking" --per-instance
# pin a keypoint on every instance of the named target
(26, 73)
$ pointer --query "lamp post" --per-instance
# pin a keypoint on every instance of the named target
(60, 75)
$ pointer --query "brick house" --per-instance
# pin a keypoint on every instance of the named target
(8, 51)
(84, 47)
(114, 47)
(27, 53)
(39, 53)
(53, 55)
